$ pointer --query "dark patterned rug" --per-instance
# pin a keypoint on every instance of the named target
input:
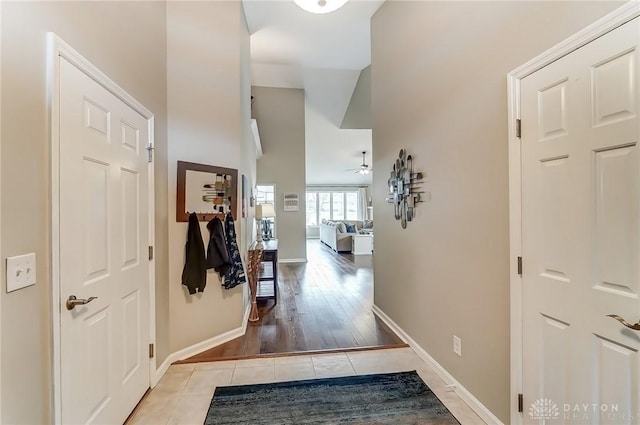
(390, 398)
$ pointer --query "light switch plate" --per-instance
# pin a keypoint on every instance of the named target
(457, 345)
(21, 271)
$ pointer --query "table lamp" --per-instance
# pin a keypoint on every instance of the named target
(263, 211)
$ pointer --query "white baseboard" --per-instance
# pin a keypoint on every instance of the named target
(464, 394)
(245, 317)
(292, 260)
(202, 346)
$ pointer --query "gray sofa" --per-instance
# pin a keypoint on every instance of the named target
(334, 234)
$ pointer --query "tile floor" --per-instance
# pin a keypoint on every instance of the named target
(184, 393)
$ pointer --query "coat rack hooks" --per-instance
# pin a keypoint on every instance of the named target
(211, 215)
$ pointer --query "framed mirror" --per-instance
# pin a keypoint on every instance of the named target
(206, 190)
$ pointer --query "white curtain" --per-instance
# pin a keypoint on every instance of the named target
(362, 204)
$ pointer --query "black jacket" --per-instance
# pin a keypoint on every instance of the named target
(194, 274)
(217, 254)
(235, 274)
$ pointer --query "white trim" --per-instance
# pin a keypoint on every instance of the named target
(462, 392)
(291, 260)
(0, 217)
(202, 346)
(613, 20)
(57, 48)
(256, 138)
(53, 89)
(245, 318)
(515, 243)
(151, 211)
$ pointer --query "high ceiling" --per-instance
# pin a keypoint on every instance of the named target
(324, 55)
(284, 34)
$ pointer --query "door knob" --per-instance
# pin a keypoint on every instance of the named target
(73, 301)
(635, 327)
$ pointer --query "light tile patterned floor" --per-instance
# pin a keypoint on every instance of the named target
(183, 395)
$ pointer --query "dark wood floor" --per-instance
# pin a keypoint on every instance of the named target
(323, 305)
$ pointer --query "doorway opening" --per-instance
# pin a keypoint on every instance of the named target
(323, 305)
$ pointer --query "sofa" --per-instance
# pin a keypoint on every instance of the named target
(334, 234)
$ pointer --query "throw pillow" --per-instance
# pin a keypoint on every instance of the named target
(351, 228)
(341, 227)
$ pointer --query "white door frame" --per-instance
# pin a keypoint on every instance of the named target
(56, 49)
(613, 20)
(1, 288)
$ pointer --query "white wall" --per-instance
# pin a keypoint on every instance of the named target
(358, 113)
(330, 150)
(207, 94)
(439, 90)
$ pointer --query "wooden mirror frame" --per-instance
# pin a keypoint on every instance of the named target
(182, 215)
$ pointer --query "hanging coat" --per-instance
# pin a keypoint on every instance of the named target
(217, 253)
(194, 273)
(234, 275)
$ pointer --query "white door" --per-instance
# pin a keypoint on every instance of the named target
(580, 230)
(103, 252)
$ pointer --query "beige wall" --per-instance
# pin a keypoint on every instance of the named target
(207, 92)
(281, 121)
(127, 41)
(208, 83)
(439, 90)
(249, 147)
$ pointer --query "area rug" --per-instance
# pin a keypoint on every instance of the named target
(390, 398)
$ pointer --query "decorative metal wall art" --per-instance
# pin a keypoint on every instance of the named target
(404, 191)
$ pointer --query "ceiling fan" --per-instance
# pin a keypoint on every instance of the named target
(364, 168)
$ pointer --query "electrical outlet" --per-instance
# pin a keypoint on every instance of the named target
(457, 345)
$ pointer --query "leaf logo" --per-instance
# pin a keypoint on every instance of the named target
(543, 409)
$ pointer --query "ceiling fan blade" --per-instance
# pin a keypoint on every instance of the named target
(364, 171)
(364, 167)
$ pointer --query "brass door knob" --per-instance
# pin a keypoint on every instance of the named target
(635, 326)
(73, 301)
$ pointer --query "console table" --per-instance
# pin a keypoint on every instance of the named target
(268, 273)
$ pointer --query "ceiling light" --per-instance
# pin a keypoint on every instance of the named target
(320, 6)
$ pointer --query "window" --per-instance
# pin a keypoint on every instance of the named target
(265, 195)
(324, 206)
(352, 205)
(337, 211)
(312, 205)
(342, 205)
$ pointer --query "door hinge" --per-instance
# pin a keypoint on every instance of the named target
(150, 149)
(520, 403)
(150, 253)
(518, 128)
(151, 351)
(520, 266)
